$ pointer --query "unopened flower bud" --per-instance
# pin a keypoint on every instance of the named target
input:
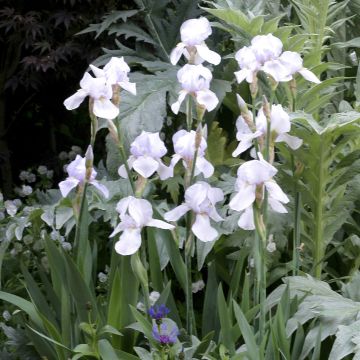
(113, 131)
(116, 94)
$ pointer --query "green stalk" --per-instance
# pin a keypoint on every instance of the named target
(296, 236)
(189, 113)
(261, 237)
(319, 226)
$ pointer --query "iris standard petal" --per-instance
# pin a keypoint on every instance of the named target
(102, 188)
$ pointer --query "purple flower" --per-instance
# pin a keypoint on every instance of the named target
(158, 312)
(165, 335)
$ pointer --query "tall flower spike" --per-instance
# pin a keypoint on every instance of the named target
(100, 91)
(193, 34)
(184, 146)
(195, 81)
(252, 176)
(116, 72)
(77, 176)
(201, 199)
(134, 215)
(146, 153)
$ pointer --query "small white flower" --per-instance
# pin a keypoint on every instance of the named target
(77, 175)
(102, 277)
(77, 149)
(197, 286)
(63, 155)
(154, 297)
(252, 176)
(201, 199)
(6, 315)
(195, 81)
(140, 306)
(193, 34)
(271, 245)
(66, 245)
(50, 174)
(42, 169)
(2, 215)
(248, 64)
(115, 72)
(134, 215)
(28, 239)
(10, 207)
(284, 68)
(31, 178)
(266, 47)
(146, 153)
(100, 91)
(26, 190)
(184, 146)
(24, 175)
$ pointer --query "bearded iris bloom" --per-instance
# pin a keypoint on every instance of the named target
(252, 177)
(184, 146)
(265, 53)
(195, 81)
(116, 72)
(193, 33)
(146, 152)
(77, 176)
(279, 126)
(201, 199)
(100, 91)
(134, 215)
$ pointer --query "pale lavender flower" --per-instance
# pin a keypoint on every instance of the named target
(146, 153)
(201, 199)
(193, 33)
(134, 215)
(195, 81)
(184, 146)
(100, 91)
(166, 333)
(77, 175)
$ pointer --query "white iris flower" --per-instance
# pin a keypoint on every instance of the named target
(193, 34)
(146, 153)
(184, 147)
(201, 199)
(100, 91)
(195, 81)
(134, 215)
(77, 176)
(252, 177)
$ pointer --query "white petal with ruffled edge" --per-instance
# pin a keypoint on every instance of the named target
(244, 198)
(102, 188)
(123, 205)
(277, 71)
(245, 143)
(164, 171)
(309, 75)
(215, 215)
(75, 100)
(145, 166)
(175, 107)
(246, 220)
(204, 166)
(159, 224)
(120, 227)
(293, 141)
(176, 53)
(280, 120)
(141, 211)
(176, 213)
(128, 86)
(243, 74)
(129, 243)
(207, 98)
(67, 185)
(202, 228)
(208, 55)
(277, 206)
(276, 192)
(105, 109)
